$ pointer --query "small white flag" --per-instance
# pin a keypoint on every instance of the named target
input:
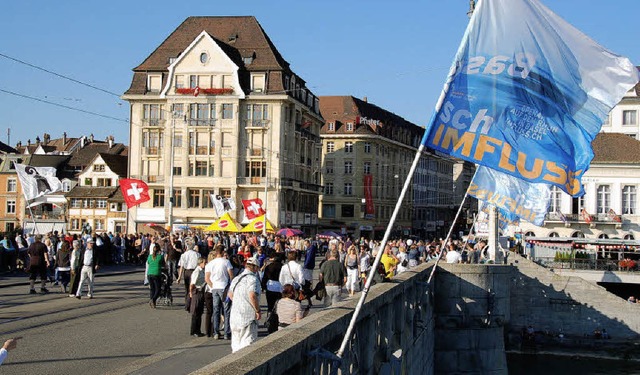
(37, 181)
(222, 204)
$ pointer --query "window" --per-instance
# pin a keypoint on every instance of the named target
(193, 198)
(347, 210)
(349, 126)
(11, 207)
(98, 167)
(367, 148)
(329, 166)
(348, 188)
(328, 210)
(9, 227)
(199, 114)
(152, 114)
(102, 182)
(204, 57)
(348, 147)
(328, 188)
(76, 203)
(101, 203)
(12, 185)
(206, 198)
(348, 167)
(177, 171)
(331, 127)
(225, 193)
(257, 115)
(255, 169)
(99, 224)
(331, 146)
(154, 83)
(556, 195)
(201, 168)
(227, 111)
(193, 81)
(158, 198)
(88, 181)
(66, 186)
(179, 81)
(75, 224)
(629, 200)
(366, 168)
(177, 141)
(604, 199)
(177, 198)
(629, 117)
(257, 82)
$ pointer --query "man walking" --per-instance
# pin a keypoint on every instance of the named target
(196, 296)
(218, 273)
(334, 277)
(245, 293)
(38, 264)
(307, 269)
(188, 263)
(90, 263)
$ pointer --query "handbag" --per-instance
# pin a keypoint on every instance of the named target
(320, 291)
(295, 284)
(273, 321)
(404, 263)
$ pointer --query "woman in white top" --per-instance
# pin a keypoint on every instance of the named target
(291, 272)
(403, 261)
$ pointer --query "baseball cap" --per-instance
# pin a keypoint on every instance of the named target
(253, 261)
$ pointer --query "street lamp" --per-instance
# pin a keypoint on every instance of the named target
(174, 115)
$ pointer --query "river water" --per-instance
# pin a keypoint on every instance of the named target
(559, 365)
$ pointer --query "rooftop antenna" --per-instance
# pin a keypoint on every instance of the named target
(9, 136)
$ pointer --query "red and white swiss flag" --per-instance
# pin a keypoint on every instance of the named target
(134, 191)
(253, 208)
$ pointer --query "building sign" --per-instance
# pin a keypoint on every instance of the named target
(369, 208)
(368, 121)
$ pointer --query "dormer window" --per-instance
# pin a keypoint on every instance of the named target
(331, 127)
(247, 60)
(349, 126)
(154, 82)
(257, 82)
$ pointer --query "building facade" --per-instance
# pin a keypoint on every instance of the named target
(623, 118)
(96, 202)
(366, 156)
(215, 109)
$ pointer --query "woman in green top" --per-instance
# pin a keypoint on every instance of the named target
(155, 262)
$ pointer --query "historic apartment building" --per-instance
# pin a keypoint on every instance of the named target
(216, 109)
(366, 155)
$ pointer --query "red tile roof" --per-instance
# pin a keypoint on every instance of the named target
(615, 148)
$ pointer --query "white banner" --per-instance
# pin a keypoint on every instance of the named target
(37, 181)
(222, 204)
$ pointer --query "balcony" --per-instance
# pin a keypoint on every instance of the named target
(256, 123)
(152, 151)
(153, 122)
(204, 91)
(202, 122)
(578, 218)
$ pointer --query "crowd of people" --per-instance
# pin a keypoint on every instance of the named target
(224, 274)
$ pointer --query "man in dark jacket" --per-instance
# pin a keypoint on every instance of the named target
(307, 269)
(38, 263)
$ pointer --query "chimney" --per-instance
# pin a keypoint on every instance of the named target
(29, 142)
(110, 140)
(47, 138)
(19, 144)
(365, 99)
(82, 141)
(91, 137)
(37, 140)
(64, 138)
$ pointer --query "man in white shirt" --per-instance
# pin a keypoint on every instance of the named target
(218, 274)
(453, 255)
(89, 264)
(187, 263)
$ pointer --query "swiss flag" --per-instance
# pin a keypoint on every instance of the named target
(253, 208)
(585, 216)
(134, 191)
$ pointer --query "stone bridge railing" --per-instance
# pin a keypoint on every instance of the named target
(394, 334)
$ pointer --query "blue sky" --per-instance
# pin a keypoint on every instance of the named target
(396, 53)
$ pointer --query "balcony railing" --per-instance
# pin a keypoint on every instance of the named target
(256, 123)
(586, 264)
(152, 150)
(153, 122)
(578, 218)
(201, 122)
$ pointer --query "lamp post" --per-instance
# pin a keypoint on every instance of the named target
(266, 181)
(174, 114)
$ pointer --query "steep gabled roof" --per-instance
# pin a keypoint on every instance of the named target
(82, 157)
(6, 149)
(92, 192)
(615, 148)
(238, 37)
(117, 163)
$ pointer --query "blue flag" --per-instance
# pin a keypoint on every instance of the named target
(527, 94)
(514, 197)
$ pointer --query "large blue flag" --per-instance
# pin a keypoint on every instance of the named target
(527, 94)
(514, 197)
